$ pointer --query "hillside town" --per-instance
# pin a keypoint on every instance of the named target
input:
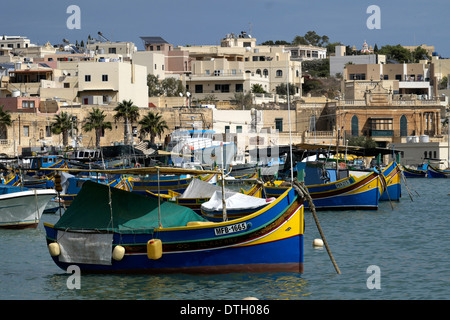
(73, 96)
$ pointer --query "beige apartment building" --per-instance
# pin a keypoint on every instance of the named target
(103, 83)
(236, 65)
(406, 78)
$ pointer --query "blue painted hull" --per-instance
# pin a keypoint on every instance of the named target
(272, 240)
(414, 173)
(437, 173)
(392, 176)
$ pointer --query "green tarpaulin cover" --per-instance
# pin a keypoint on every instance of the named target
(129, 213)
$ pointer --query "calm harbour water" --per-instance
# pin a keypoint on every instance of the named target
(409, 244)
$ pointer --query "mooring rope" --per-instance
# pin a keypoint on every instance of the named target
(303, 191)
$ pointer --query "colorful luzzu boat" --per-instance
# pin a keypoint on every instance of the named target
(414, 173)
(392, 174)
(434, 172)
(351, 193)
(131, 233)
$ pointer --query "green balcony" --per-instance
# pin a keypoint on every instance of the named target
(382, 133)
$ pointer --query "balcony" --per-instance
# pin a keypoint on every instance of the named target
(382, 133)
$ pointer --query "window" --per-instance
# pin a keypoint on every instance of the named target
(239, 87)
(357, 76)
(382, 126)
(104, 77)
(265, 72)
(48, 131)
(198, 88)
(66, 85)
(279, 124)
(403, 126)
(112, 50)
(227, 129)
(26, 131)
(238, 129)
(279, 73)
(355, 126)
(398, 77)
(27, 104)
(87, 78)
(222, 87)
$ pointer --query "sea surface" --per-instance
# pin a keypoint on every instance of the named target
(399, 252)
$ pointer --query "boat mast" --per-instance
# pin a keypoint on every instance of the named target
(289, 114)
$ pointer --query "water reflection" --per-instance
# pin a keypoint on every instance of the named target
(264, 286)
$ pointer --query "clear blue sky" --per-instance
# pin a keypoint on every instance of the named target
(196, 22)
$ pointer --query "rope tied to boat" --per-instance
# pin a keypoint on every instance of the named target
(302, 191)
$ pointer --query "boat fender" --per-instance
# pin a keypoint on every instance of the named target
(54, 249)
(137, 165)
(118, 253)
(318, 243)
(154, 249)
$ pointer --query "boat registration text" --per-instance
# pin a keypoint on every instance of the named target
(230, 229)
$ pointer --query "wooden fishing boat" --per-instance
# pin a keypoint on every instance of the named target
(72, 185)
(414, 173)
(21, 207)
(166, 182)
(197, 193)
(351, 193)
(237, 205)
(392, 174)
(434, 172)
(131, 233)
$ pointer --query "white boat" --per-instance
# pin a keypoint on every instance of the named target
(200, 146)
(22, 208)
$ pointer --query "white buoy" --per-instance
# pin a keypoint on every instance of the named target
(118, 253)
(54, 249)
(318, 243)
(250, 298)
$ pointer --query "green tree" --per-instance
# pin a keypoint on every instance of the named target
(311, 85)
(443, 84)
(62, 125)
(420, 54)
(317, 68)
(5, 121)
(127, 111)
(397, 53)
(257, 88)
(243, 100)
(154, 125)
(362, 141)
(311, 38)
(96, 121)
(281, 89)
(172, 87)
(153, 86)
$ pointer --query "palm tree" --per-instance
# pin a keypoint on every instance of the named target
(152, 124)
(129, 112)
(5, 121)
(96, 121)
(62, 124)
